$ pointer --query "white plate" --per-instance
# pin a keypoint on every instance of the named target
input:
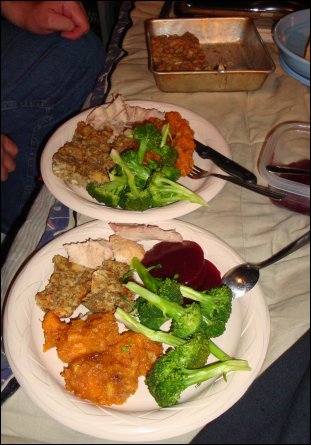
(140, 419)
(78, 199)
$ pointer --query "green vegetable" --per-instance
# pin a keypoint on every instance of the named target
(141, 172)
(182, 366)
(135, 199)
(160, 336)
(148, 137)
(164, 191)
(216, 307)
(168, 288)
(186, 320)
(108, 192)
(168, 378)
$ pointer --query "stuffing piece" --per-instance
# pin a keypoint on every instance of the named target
(107, 292)
(68, 286)
(86, 157)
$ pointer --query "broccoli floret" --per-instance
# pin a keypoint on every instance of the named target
(167, 379)
(186, 320)
(148, 314)
(135, 199)
(138, 201)
(169, 155)
(164, 191)
(171, 173)
(216, 307)
(168, 288)
(108, 192)
(148, 137)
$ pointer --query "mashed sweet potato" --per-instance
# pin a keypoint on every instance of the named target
(103, 365)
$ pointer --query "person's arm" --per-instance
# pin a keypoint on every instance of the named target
(45, 17)
(9, 151)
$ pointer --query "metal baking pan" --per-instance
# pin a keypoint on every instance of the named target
(234, 50)
(260, 9)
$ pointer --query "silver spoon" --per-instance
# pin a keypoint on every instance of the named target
(242, 278)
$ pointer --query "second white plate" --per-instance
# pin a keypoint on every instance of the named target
(79, 200)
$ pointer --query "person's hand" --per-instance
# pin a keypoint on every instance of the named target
(45, 17)
(9, 151)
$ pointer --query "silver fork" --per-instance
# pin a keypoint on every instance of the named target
(198, 173)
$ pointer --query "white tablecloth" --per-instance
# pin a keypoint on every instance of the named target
(248, 222)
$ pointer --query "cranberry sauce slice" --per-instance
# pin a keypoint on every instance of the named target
(185, 259)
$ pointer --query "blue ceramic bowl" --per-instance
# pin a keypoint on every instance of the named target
(290, 35)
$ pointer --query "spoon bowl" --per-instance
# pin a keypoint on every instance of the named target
(243, 277)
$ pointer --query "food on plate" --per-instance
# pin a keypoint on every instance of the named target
(172, 373)
(111, 377)
(79, 337)
(129, 157)
(140, 232)
(89, 253)
(125, 250)
(182, 366)
(103, 365)
(107, 291)
(152, 311)
(91, 275)
(68, 286)
(178, 53)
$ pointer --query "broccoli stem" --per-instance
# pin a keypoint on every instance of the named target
(165, 191)
(188, 292)
(162, 337)
(195, 376)
(130, 177)
(165, 131)
(169, 308)
(218, 353)
(149, 281)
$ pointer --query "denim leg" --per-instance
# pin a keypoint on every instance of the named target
(44, 81)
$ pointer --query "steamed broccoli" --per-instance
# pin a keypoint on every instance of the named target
(168, 378)
(182, 366)
(148, 137)
(135, 199)
(168, 288)
(108, 192)
(160, 336)
(216, 307)
(186, 320)
(163, 191)
(192, 353)
(141, 172)
(169, 339)
(170, 172)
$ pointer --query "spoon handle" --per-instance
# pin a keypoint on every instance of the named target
(292, 247)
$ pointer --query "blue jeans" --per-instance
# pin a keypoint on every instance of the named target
(44, 81)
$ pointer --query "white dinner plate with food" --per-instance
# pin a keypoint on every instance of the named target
(78, 199)
(140, 419)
